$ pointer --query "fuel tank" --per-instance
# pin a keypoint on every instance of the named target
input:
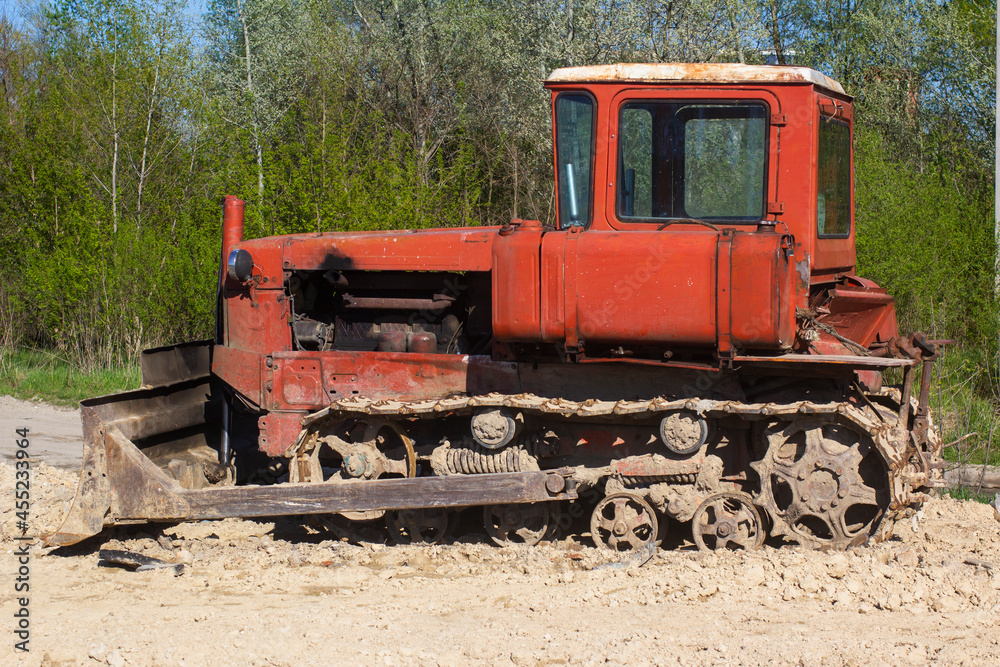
(719, 288)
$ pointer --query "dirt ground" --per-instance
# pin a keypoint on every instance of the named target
(291, 593)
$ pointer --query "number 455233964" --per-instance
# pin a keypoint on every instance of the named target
(23, 469)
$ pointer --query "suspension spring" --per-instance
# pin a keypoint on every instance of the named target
(475, 460)
(646, 480)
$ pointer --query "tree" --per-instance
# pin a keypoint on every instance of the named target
(255, 54)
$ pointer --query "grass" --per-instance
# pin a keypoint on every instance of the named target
(963, 493)
(35, 374)
(965, 400)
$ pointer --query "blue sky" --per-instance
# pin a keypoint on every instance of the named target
(16, 10)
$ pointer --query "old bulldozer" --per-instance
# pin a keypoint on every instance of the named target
(688, 343)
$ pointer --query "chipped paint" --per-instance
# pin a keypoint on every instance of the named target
(694, 73)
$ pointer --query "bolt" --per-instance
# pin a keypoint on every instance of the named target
(840, 471)
(819, 463)
(802, 476)
(619, 528)
(842, 493)
(805, 498)
(824, 507)
(833, 503)
(724, 530)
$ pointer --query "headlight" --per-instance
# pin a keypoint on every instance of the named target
(240, 266)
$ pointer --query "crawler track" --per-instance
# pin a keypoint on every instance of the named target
(811, 506)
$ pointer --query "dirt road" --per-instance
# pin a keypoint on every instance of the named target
(289, 593)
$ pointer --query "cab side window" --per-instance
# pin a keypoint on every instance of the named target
(833, 192)
(574, 153)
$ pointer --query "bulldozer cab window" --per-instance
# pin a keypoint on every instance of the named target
(833, 192)
(692, 160)
(574, 157)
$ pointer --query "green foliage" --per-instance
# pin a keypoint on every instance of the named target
(971, 494)
(30, 374)
(966, 390)
(928, 240)
(120, 132)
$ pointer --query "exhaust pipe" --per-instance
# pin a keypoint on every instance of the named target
(232, 233)
(232, 227)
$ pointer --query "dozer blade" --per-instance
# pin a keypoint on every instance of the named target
(175, 410)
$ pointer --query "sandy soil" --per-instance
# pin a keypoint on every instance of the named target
(293, 593)
(56, 434)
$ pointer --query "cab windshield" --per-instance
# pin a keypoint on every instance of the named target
(699, 160)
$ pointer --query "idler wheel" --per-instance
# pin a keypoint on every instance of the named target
(683, 432)
(420, 526)
(727, 521)
(517, 523)
(623, 522)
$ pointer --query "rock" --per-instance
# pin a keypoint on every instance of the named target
(184, 556)
(838, 566)
(965, 589)
(809, 584)
(98, 653)
(946, 605)
(908, 558)
(115, 660)
(754, 576)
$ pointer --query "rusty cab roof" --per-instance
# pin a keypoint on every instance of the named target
(694, 73)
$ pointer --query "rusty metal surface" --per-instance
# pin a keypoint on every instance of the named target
(438, 302)
(693, 73)
(828, 501)
(812, 360)
(404, 493)
(93, 495)
(727, 521)
(180, 401)
(232, 225)
(166, 365)
(566, 408)
(893, 445)
(624, 522)
(455, 249)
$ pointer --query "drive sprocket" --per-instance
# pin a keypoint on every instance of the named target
(822, 482)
